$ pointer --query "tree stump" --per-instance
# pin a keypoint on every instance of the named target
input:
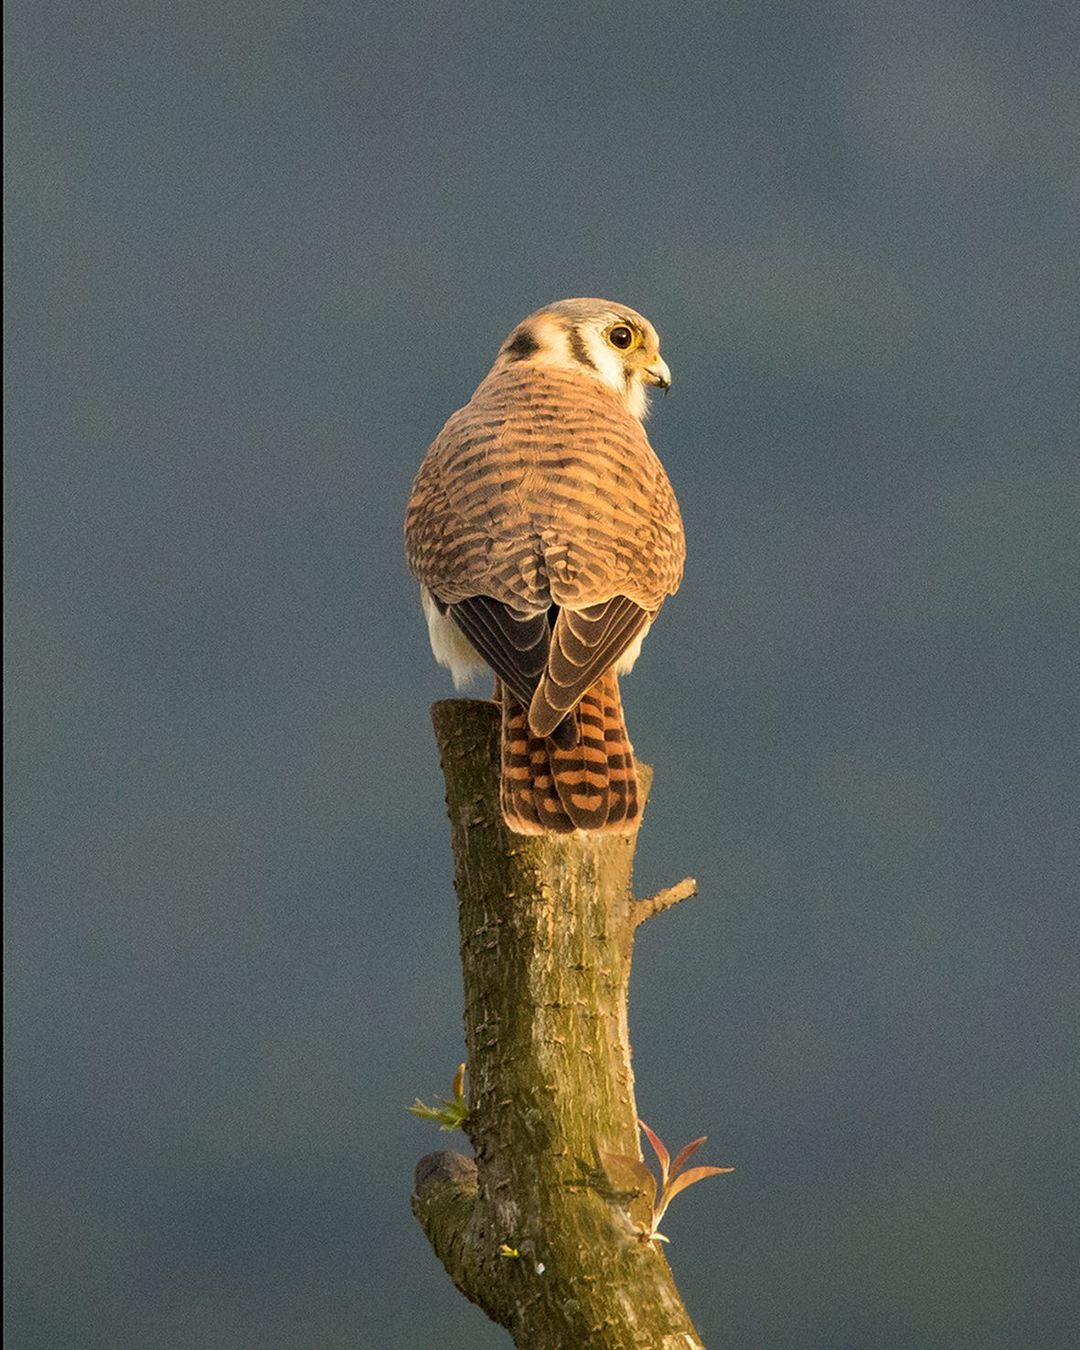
(532, 1228)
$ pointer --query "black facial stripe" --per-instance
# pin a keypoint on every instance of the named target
(577, 346)
(523, 346)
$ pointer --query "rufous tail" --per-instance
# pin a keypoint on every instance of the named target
(591, 785)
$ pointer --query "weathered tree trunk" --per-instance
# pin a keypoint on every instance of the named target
(547, 931)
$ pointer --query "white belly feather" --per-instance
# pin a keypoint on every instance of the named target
(450, 645)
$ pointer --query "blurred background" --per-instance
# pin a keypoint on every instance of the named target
(257, 252)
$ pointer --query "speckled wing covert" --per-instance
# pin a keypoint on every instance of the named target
(542, 522)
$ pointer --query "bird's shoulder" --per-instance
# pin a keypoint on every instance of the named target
(525, 407)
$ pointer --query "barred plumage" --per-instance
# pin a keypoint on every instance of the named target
(545, 536)
(590, 785)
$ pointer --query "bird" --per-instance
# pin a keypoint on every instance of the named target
(545, 536)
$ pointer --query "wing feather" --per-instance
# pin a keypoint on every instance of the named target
(584, 644)
(514, 645)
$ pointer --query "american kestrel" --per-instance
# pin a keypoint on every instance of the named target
(545, 536)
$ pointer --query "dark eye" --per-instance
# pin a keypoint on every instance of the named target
(621, 337)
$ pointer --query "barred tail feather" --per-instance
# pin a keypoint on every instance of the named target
(550, 786)
(527, 796)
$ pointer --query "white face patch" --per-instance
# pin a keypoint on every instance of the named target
(612, 371)
(636, 397)
(608, 362)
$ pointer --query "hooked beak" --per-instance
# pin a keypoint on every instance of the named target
(658, 373)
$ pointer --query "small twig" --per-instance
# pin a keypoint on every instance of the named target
(670, 895)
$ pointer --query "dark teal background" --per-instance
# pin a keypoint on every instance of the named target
(256, 254)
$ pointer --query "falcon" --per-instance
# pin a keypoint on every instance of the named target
(545, 537)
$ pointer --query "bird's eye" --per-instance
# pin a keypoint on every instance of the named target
(621, 337)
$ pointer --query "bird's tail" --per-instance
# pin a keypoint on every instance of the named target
(549, 786)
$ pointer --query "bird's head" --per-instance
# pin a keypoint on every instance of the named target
(604, 340)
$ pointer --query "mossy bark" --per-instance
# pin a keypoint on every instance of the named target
(547, 930)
